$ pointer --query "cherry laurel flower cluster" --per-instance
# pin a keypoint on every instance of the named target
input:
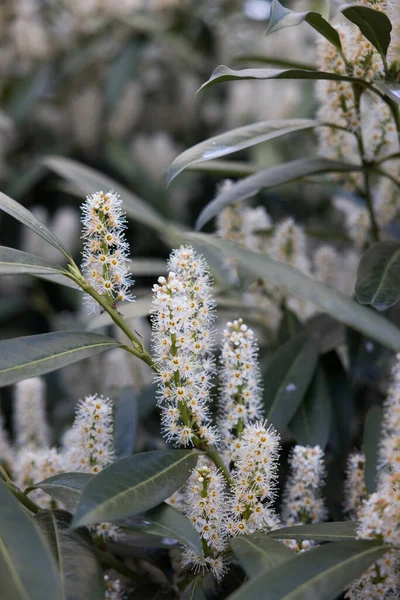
(105, 255)
(355, 491)
(379, 514)
(182, 317)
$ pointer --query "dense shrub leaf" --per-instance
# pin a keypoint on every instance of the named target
(193, 591)
(80, 571)
(35, 355)
(28, 570)
(235, 140)
(340, 531)
(14, 262)
(325, 298)
(283, 17)
(372, 435)
(311, 423)
(133, 485)
(65, 487)
(226, 168)
(23, 215)
(167, 522)
(269, 178)
(126, 417)
(323, 573)
(287, 377)
(373, 24)
(378, 275)
(258, 553)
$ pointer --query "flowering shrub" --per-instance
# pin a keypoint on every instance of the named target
(243, 495)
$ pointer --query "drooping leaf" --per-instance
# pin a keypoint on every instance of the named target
(25, 217)
(311, 423)
(80, 571)
(269, 178)
(392, 90)
(193, 591)
(258, 553)
(283, 17)
(340, 531)
(373, 24)
(235, 140)
(287, 377)
(13, 262)
(369, 362)
(378, 275)
(34, 355)
(126, 417)
(133, 485)
(89, 181)
(226, 168)
(223, 73)
(323, 573)
(167, 522)
(342, 403)
(273, 61)
(65, 487)
(27, 568)
(372, 435)
(325, 298)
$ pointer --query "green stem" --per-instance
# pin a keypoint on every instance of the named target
(27, 502)
(215, 456)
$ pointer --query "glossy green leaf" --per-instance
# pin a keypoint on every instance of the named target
(80, 571)
(287, 377)
(25, 217)
(392, 90)
(28, 570)
(126, 417)
(13, 262)
(65, 487)
(167, 522)
(35, 355)
(193, 591)
(311, 423)
(340, 531)
(226, 168)
(269, 178)
(373, 24)
(321, 573)
(378, 275)
(223, 73)
(235, 140)
(133, 485)
(258, 553)
(282, 17)
(372, 435)
(325, 298)
(273, 61)
(89, 181)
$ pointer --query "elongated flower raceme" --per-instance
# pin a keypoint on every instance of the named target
(240, 396)
(106, 251)
(206, 506)
(355, 491)
(30, 414)
(32, 465)
(182, 316)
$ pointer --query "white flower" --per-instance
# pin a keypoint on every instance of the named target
(354, 488)
(105, 254)
(326, 265)
(30, 414)
(6, 451)
(33, 465)
(113, 588)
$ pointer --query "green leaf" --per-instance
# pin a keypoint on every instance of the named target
(287, 377)
(325, 298)
(273, 61)
(133, 485)
(311, 423)
(258, 553)
(193, 591)
(65, 487)
(226, 168)
(13, 262)
(269, 178)
(392, 90)
(235, 140)
(89, 181)
(126, 417)
(27, 568)
(340, 531)
(373, 24)
(223, 73)
(283, 17)
(35, 355)
(378, 275)
(372, 435)
(167, 522)
(25, 217)
(80, 571)
(323, 573)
